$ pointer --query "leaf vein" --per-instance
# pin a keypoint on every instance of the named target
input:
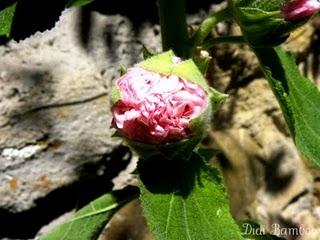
(169, 215)
(186, 220)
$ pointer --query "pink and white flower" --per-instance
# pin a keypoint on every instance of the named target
(298, 10)
(156, 109)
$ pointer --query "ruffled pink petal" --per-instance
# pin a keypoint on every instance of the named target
(155, 108)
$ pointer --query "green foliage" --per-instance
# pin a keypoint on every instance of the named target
(298, 97)
(6, 19)
(78, 3)
(261, 21)
(265, 5)
(88, 222)
(185, 200)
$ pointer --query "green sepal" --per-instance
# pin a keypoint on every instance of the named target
(122, 70)
(116, 135)
(179, 149)
(189, 71)
(146, 53)
(202, 63)
(115, 95)
(163, 64)
(216, 98)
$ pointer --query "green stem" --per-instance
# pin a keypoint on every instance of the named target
(208, 24)
(174, 31)
(220, 40)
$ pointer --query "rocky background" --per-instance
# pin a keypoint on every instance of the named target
(56, 149)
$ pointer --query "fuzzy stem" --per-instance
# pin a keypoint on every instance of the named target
(206, 26)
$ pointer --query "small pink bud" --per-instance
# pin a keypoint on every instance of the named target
(298, 10)
(154, 108)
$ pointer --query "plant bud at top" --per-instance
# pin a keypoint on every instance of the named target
(299, 10)
(155, 108)
(268, 23)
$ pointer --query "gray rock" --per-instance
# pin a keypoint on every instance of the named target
(54, 103)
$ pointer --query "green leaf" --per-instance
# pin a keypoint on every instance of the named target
(122, 70)
(89, 221)
(6, 19)
(78, 3)
(185, 200)
(216, 98)
(298, 97)
(265, 5)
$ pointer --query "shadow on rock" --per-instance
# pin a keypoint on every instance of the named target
(26, 224)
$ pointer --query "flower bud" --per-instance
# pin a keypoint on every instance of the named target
(299, 10)
(155, 108)
(162, 105)
(267, 24)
